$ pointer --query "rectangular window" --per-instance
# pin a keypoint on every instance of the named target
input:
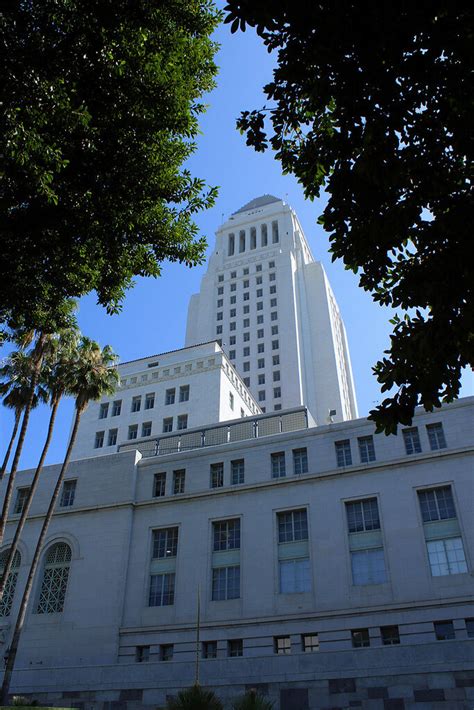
(166, 652)
(300, 461)
(275, 359)
(282, 645)
(260, 320)
(231, 354)
(258, 268)
(276, 376)
(276, 392)
(241, 241)
(437, 504)
(273, 288)
(179, 478)
(226, 535)
(68, 494)
(235, 648)
(275, 236)
(232, 340)
(446, 556)
(246, 324)
(261, 347)
(259, 293)
(259, 305)
(103, 410)
(247, 381)
(136, 404)
(220, 302)
(182, 422)
(246, 296)
(246, 366)
(273, 303)
(253, 238)
(142, 654)
(274, 330)
(360, 638)
(170, 396)
(99, 440)
(363, 515)
(231, 245)
(261, 379)
(436, 436)
(444, 630)
(275, 344)
(233, 300)
(167, 425)
(232, 313)
(150, 400)
(146, 429)
(209, 649)
(220, 278)
(21, 498)
(368, 567)
(411, 438)
(116, 407)
(159, 484)
(218, 330)
(232, 325)
(217, 475)
(343, 453)
(272, 276)
(470, 628)
(261, 362)
(237, 472)
(233, 287)
(310, 643)
(367, 554)
(161, 589)
(390, 635)
(295, 577)
(231, 400)
(278, 465)
(366, 449)
(261, 395)
(292, 526)
(133, 431)
(225, 583)
(164, 543)
(246, 352)
(219, 315)
(220, 290)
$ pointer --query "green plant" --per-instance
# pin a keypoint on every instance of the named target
(195, 698)
(252, 701)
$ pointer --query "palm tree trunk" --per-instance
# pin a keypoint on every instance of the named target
(10, 663)
(21, 438)
(26, 507)
(10, 445)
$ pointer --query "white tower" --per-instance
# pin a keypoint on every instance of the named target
(270, 305)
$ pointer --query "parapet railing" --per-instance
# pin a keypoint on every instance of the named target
(236, 430)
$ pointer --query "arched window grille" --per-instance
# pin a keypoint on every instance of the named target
(9, 592)
(55, 576)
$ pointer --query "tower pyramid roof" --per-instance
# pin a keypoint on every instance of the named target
(258, 202)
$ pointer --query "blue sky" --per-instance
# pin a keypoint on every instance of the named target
(153, 318)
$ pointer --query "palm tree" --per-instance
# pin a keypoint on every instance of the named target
(93, 376)
(15, 388)
(195, 698)
(56, 377)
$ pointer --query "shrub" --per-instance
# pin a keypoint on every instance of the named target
(252, 701)
(195, 698)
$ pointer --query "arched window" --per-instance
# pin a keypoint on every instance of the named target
(7, 599)
(55, 576)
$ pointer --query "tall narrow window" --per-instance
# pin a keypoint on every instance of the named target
(237, 472)
(293, 552)
(300, 461)
(184, 393)
(436, 436)
(163, 565)
(99, 440)
(112, 437)
(411, 438)
(167, 425)
(231, 400)
(231, 249)
(55, 578)
(182, 422)
(133, 431)
(136, 404)
(170, 396)
(366, 449)
(68, 494)
(217, 475)
(150, 400)
(241, 241)
(179, 478)
(275, 237)
(278, 465)
(253, 238)
(264, 235)
(159, 484)
(442, 532)
(103, 410)
(343, 453)
(365, 542)
(116, 408)
(21, 498)
(226, 560)
(10, 586)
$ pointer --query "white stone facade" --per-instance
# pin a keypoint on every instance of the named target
(304, 596)
(165, 393)
(272, 308)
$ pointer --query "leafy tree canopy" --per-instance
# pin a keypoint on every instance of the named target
(100, 102)
(374, 102)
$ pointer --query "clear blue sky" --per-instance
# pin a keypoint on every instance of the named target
(153, 319)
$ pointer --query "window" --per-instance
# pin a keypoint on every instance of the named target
(261, 395)
(271, 264)
(259, 320)
(55, 578)
(258, 280)
(220, 290)
(231, 245)
(292, 526)
(271, 276)
(276, 376)
(363, 515)
(470, 627)
(446, 556)
(246, 352)
(219, 315)
(233, 274)
(217, 475)
(277, 407)
(220, 302)
(261, 362)
(246, 296)
(232, 340)
(275, 236)
(241, 241)
(99, 439)
(246, 323)
(390, 635)
(412, 440)
(275, 359)
(261, 347)
(258, 268)
(261, 379)
(136, 404)
(233, 300)
(231, 354)
(159, 483)
(164, 543)
(112, 437)
(275, 344)
(233, 287)
(366, 551)
(21, 498)
(170, 396)
(142, 654)
(235, 647)
(276, 392)
(300, 461)
(259, 292)
(103, 410)
(360, 638)
(366, 449)
(246, 366)
(246, 337)
(274, 330)
(67, 494)
(237, 472)
(220, 278)
(436, 436)
(343, 453)
(282, 645)
(116, 407)
(368, 567)
(437, 504)
(294, 576)
(226, 535)
(166, 652)
(225, 583)
(273, 289)
(167, 425)
(182, 422)
(310, 643)
(218, 330)
(178, 481)
(444, 630)
(273, 303)
(259, 305)
(253, 238)
(209, 649)
(232, 325)
(278, 465)
(247, 381)
(10, 586)
(133, 431)
(231, 400)
(161, 589)
(146, 429)
(232, 313)
(150, 400)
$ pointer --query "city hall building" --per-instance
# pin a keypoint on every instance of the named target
(228, 517)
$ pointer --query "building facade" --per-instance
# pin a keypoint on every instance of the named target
(270, 305)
